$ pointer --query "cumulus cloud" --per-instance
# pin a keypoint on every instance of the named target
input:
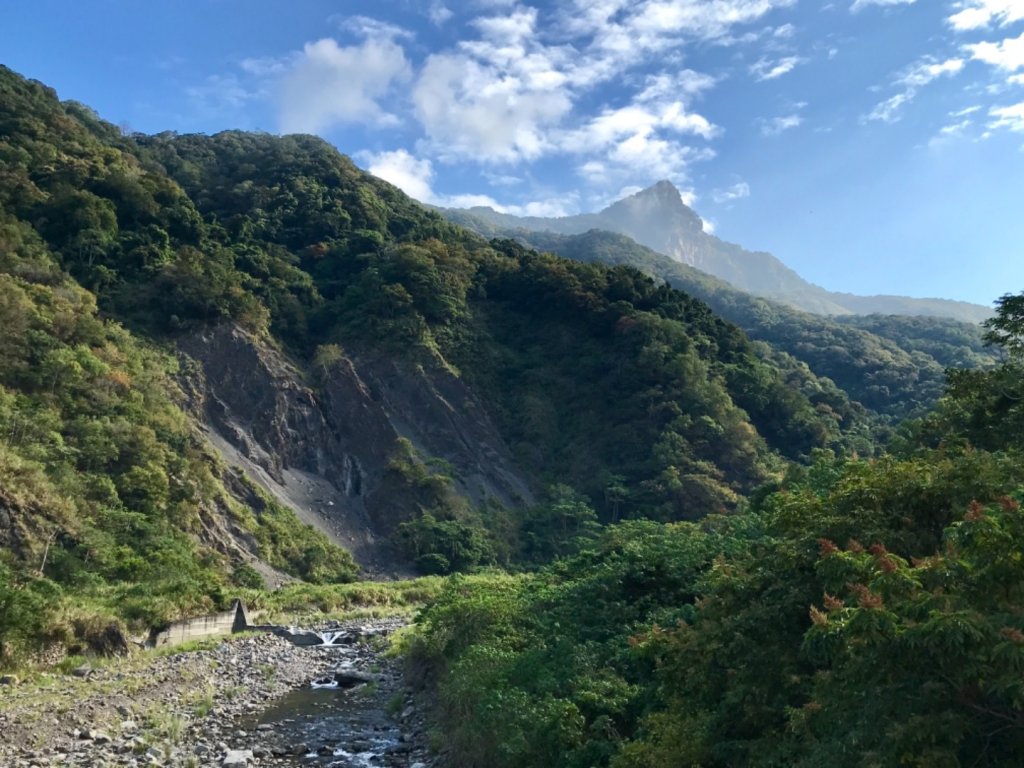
(471, 109)
(977, 14)
(523, 83)
(612, 35)
(439, 13)
(672, 85)
(415, 177)
(1007, 54)
(657, 21)
(911, 80)
(860, 5)
(412, 175)
(764, 69)
(329, 84)
(641, 139)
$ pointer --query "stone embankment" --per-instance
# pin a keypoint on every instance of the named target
(250, 701)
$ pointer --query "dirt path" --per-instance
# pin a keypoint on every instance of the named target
(247, 702)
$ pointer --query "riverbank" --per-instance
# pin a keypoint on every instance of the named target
(244, 701)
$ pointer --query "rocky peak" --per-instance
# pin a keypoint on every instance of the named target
(660, 206)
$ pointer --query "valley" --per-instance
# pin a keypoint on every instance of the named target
(655, 519)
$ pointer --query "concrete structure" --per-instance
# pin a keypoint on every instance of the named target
(201, 627)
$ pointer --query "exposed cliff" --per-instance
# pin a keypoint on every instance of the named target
(329, 453)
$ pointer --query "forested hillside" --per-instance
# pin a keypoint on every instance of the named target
(858, 613)
(617, 396)
(892, 364)
(700, 552)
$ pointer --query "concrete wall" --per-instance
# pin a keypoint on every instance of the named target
(202, 627)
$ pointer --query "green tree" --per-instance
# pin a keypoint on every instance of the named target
(1006, 329)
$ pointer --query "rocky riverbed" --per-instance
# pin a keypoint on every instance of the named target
(250, 701)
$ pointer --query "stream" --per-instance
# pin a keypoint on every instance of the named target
(355, 710)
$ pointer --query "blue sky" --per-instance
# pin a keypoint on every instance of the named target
(875, 146)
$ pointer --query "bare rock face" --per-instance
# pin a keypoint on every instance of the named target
(328, 453)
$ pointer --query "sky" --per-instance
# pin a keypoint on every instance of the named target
(875, 146)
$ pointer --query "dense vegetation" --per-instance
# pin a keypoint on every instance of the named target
(635, 395)
(859, 613)
(893, 365)
(758, 596)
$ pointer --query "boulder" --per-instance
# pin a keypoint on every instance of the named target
(237, 758)
(348, 678)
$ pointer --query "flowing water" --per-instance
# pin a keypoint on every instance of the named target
(342, 724)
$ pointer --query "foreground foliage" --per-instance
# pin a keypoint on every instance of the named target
(755, 639)
(859, 613)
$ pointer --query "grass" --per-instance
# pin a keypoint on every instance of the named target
(203, 702)
(191, 646)
(395, 705)
(165, 725)
(363, 599)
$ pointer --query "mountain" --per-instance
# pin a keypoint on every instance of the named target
(225, 358)
(894, 365)
(657, 218)
(238, 359)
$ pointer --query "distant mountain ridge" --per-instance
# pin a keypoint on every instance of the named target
(657, 218)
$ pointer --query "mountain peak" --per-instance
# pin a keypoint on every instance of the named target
(660, 206)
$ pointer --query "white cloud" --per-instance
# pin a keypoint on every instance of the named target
(955, 129)
(514, 28)
(736, 192)
(657, 20)
(366, 26)
(411, 175)
(912, 79)
(859, 5)
(622, 32)
(668, 85)
(469, 108)
(949, 133)
(439, 13)
(763, 69)
(780, 124)
(888, 110)
(1007, 54)
(927, 70)
(633, 137)
(328, 84)
(1015, 79)
(415, 177)
(976, 14)
(523, 82)
(1011, 117)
